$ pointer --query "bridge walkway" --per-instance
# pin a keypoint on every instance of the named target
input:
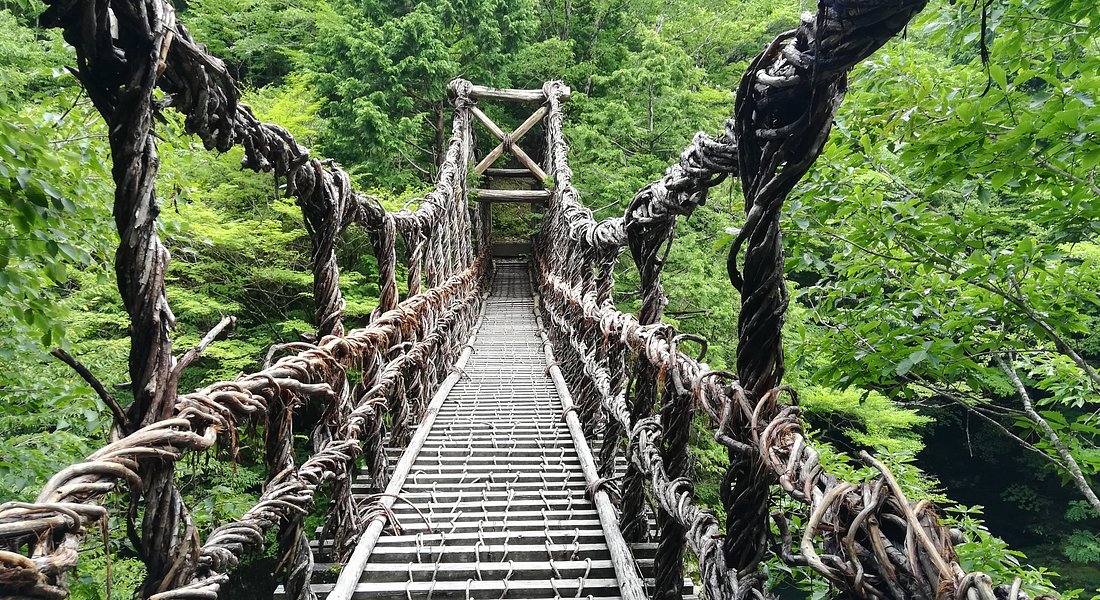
(494, 504)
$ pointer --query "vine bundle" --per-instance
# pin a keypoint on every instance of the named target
(631, 378)
(867, 540)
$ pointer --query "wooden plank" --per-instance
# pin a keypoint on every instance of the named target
(392, 554)
(473, 537)
(568, 524)
(480, 434)
(501, 568)
(472, 512)
(494, 476)
(480, 92)
(529, 196)
(452, 566)
(484, 468)
(515, 569)
(443, 496)
(533, 166)
(520, 585)
(507, 173)
(642, 551)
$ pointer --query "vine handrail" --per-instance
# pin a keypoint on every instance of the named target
(868, 540)
(630, 378)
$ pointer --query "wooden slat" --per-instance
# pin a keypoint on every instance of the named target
(530, 196)
(498, 172)
(513, 537)
(473, 585)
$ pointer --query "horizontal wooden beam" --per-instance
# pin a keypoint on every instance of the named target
(508, 173)
(518, 249)
(480, 92)
(529, 196)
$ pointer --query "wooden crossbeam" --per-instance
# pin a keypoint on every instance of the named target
(522, 196)
(509, 95)
(506, 173)
(508, 142)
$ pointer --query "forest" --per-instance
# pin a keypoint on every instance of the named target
(942, 255)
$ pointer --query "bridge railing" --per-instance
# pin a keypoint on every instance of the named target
(635, 384)
(399, 358)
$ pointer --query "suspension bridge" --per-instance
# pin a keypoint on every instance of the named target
(502, 430)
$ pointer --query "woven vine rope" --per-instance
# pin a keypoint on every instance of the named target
(868, 540)
(635, 382)
(39, 541)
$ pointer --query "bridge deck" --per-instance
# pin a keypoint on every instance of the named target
(497, 505)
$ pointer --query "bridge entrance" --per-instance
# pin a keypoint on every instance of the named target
(511, 183)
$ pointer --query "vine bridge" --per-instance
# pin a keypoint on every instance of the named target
(501, 431)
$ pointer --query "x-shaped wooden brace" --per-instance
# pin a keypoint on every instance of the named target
(508, 142)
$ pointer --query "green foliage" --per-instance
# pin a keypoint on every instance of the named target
(53, 193)
(951, 223)
(91, 580)
(982, 551)
(220, 491)
(867, 419)
(953, 198)
(1079, 510)
(383, 78)
(1083, 547)
(260, 40)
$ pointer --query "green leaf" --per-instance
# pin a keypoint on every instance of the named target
(999, 76)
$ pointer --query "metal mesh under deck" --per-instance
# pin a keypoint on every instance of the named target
(498, 495)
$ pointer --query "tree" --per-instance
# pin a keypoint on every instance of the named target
(384, 77)
(948, 238)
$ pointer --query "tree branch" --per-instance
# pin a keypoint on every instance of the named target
(120, 416)
(227, 323)
(1072, 468)
(1064, 173)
